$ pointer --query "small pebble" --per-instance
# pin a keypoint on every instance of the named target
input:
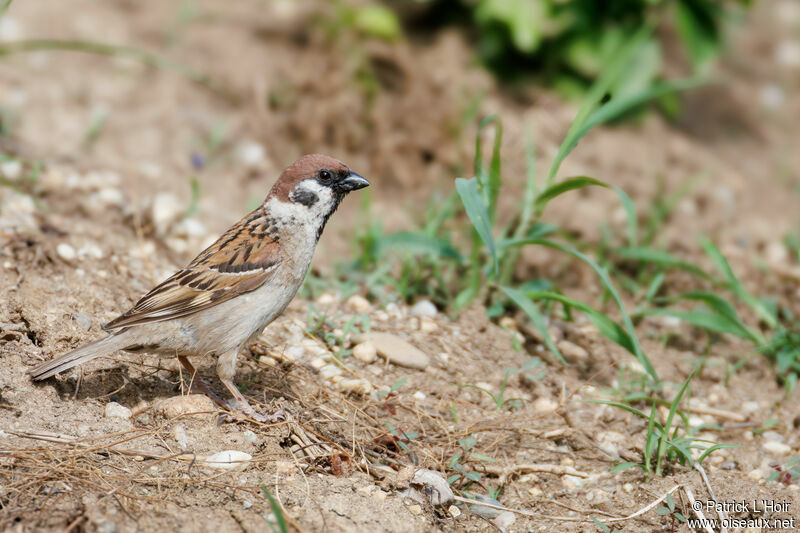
(326, 298)
(328, 371)
(115, 410)
(106, 526)
(65, 251)
(250, 437)
(504, 520)
(778, 448)
(185, 405)
(395, 349)
(11, 169)
(545, 404)
(365, 352)
(228, 460)
(424, 308)
(415, 509)
(419, 395)
(165, 211)
(426, 325)
(82, 320)
(359, 304)
(572, 351)
(246, 505)
(250, 153)
(454, 511)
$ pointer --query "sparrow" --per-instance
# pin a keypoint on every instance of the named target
(234, 288)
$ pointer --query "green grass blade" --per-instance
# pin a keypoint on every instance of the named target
(478, 213)
(530, 309)
(711, 449)
(596, 93)
(735, 285)
(702, 319)
(617, 106)
(660, 258)
(605, 325)
(276, 510)
(662, 444)
(724, 308)
(630, 215)
(567, 185)
(418, 243)
(626, 319)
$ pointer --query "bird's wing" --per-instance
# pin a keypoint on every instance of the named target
(242, 260)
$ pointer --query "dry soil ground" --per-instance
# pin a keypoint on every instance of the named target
(100, 227)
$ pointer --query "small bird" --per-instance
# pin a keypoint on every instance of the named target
(235, 287)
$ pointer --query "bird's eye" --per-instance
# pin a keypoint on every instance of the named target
(325, 176)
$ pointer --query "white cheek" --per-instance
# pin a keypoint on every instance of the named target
(324, 194)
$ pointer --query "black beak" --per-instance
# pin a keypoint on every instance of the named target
(353, 182)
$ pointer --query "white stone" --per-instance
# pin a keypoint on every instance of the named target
(115, 410)
(545, 404)
(185, 405)
(424, 308)
(778, 448)
(91, 250)
(65, 251)
(250, 153)
(361, 387)
(110, 196)
(787, 54)
(504, 520)
(426, 325)
(750, 408)
(190, 227)
(365, 352)
(328, 371)
(433, 485)
(228, 460)
(395, 349)
(250, 437)
(772, 96)
(165, 211)
(326, 298)
(419, 395)
(11, 169)
(359, 304)
(572, 350)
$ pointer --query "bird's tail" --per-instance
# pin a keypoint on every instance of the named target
(79, 356)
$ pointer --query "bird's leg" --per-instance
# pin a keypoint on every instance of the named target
(226, 368)
(197, 382)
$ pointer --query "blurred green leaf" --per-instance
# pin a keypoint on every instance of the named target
(695, 21)
(376, 20)
(478, 213)
(659, 258)
(539, 322)
(564, 186)
(523, 18)
(607, 327)
(417, 243)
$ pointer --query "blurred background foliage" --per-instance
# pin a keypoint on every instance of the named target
(565, 44)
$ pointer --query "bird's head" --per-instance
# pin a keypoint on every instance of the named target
(314, 185)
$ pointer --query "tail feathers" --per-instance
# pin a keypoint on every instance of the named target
(79, 356)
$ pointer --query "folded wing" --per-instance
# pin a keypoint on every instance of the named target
(242, 260)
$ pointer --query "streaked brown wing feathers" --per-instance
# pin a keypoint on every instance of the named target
(240, 261)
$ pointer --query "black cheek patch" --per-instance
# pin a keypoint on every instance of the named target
(304, 197)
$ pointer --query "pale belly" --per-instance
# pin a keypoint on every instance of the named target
(224, 327)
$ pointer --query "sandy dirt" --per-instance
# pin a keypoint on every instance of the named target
(106, 218)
